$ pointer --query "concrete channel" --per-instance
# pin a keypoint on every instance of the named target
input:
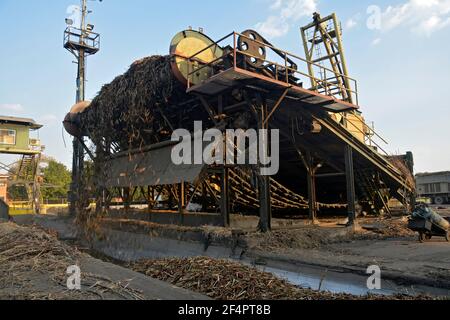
(128, 246)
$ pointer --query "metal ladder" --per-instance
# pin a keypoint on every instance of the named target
(325, 33)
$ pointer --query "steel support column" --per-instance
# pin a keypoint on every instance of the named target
(181, 201)
(312, 192)
(350, 175)
(182, 198)
(126, 196)
(225, 197)
(265, 223)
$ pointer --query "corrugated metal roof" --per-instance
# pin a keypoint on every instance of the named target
(429, 174)
(21, 121)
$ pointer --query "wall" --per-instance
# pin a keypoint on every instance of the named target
(22, 137)
(434, 183)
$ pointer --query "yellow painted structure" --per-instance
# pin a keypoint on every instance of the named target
(356, 124)
(24, 208)
(185, 45)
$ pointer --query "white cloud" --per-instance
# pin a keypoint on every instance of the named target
(351, 23)
(11, 107)
(273, 27)
(432, 24)
(376, 41)
(48, 119)
(421, 16)
(284, 14)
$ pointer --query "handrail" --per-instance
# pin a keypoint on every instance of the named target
(74, 35)
(324, 83)
(272, 47)
(299, 72)
(216, 43)
(370, 139)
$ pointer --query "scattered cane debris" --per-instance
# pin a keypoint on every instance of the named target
(227, 280)
(33, 265)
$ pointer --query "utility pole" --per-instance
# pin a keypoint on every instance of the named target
(81, 42)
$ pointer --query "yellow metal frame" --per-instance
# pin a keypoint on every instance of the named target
(331, 39)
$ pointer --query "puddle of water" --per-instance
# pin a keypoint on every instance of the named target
(317, 283)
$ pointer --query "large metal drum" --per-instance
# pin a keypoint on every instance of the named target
(189, 44)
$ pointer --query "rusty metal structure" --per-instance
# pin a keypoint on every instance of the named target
(329, 157)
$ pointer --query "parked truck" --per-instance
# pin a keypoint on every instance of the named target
(435, 186)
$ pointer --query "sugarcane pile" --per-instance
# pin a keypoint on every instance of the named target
(125, 112)
(33, 265)
(227, 280)
(399, 163)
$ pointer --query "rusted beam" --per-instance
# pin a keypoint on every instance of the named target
(277, 104)
(208, 109)
(330, 175)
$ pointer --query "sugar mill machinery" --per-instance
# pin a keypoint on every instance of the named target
(330, 158)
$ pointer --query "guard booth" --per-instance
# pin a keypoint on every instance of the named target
(16, 139)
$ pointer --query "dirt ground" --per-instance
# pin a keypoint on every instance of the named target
(328, 232)
(33, 266)
(330, 246)
(385, 243)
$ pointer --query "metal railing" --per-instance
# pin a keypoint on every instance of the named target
(75, 36)
(323, 85)
(369, 133)
(372, 138)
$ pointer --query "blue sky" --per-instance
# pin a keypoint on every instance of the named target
(403, 65)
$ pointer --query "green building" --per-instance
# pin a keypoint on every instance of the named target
(15, 139)
(15, 136)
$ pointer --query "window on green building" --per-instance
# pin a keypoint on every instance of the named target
(7, 137)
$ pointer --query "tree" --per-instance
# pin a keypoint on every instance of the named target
(57, 179)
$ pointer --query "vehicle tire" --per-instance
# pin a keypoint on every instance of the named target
(421, 237)
(439, 201)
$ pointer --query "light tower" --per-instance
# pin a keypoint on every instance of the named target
(81, 42)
